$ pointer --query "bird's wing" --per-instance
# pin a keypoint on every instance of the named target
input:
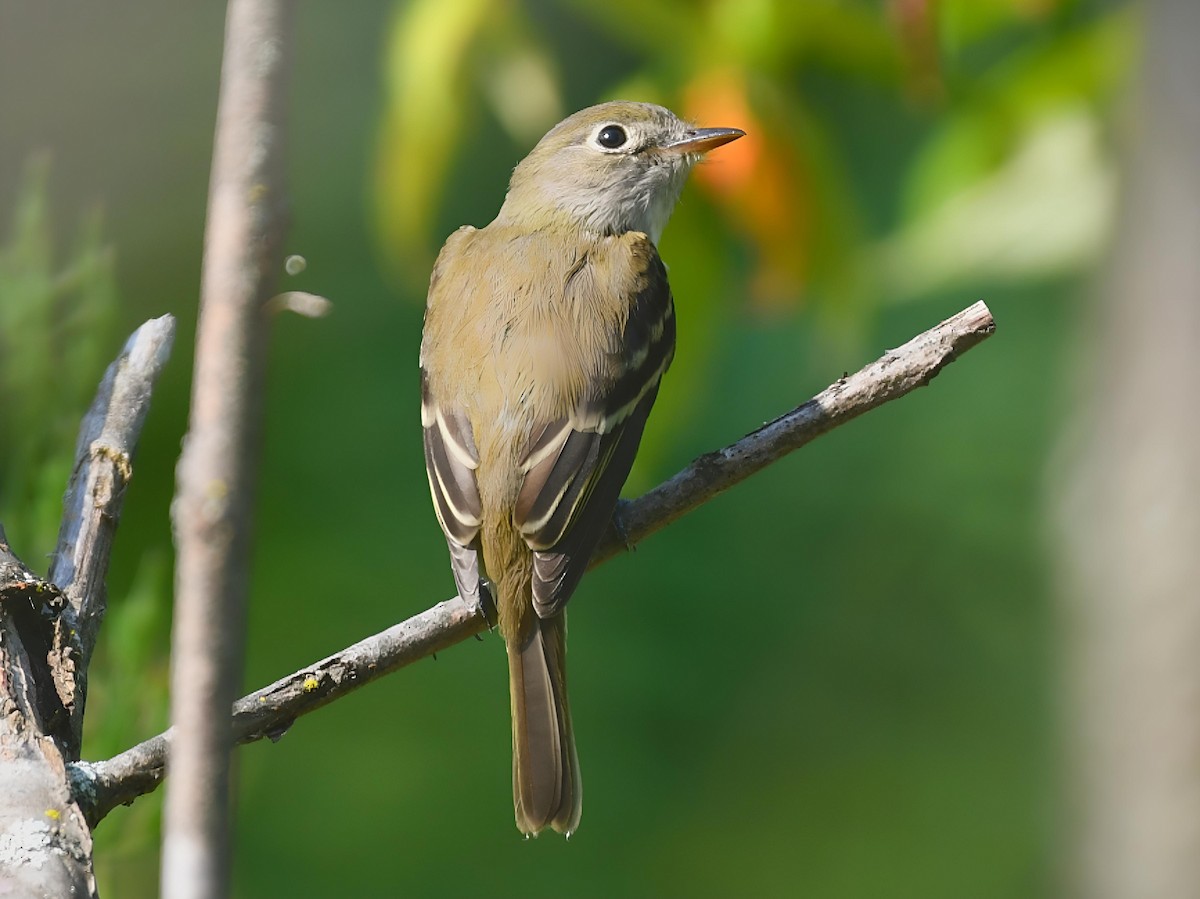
(574, 467)
(450, 462)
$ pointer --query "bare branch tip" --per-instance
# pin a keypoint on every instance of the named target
(979, 317)
(150, 345)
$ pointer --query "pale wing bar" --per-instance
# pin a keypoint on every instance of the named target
(556, 572)
(450, 462)
(575, 467)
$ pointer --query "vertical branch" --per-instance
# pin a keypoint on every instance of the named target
(1131, 520)
(212, 513)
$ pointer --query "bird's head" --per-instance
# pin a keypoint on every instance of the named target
(609, 168)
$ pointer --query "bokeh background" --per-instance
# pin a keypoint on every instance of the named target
(839, 679)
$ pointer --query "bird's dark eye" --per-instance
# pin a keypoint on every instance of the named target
(611, 136)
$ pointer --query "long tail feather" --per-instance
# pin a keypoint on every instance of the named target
(546, 785)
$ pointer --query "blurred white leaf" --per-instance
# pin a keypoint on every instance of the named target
(1046, 211)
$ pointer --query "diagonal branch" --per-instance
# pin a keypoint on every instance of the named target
(270, 711)
(891, 376)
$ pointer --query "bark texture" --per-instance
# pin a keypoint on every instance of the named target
(212, 514)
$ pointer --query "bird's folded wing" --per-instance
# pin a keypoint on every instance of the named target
(450, 462)
(575, 466)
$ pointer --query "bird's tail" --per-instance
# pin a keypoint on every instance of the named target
(546, 788)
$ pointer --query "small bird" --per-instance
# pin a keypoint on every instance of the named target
(546, 335)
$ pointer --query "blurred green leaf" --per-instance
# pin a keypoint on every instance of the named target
(655, 29)
(1047, 210)
(963, 22)
(852, 39)
(445, 58)
(426, 80)
(1016, 180)
(1083, 67)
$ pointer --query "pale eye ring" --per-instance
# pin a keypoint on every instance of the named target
(612, 137)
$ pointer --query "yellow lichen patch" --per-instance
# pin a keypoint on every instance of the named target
(120, 460)
(310, 684)
(53, 814)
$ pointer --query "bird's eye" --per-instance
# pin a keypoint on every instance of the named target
(611, 137)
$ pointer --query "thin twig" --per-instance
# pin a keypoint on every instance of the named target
(270, 711)
(218, 466)
(92, 507)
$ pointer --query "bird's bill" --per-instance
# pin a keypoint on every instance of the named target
(701, 140)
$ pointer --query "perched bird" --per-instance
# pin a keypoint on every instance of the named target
(546, 334)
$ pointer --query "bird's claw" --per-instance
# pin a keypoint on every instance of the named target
(487, 606)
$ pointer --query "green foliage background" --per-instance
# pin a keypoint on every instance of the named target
(837, 680)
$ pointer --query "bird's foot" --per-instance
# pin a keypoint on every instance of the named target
(487, 605)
